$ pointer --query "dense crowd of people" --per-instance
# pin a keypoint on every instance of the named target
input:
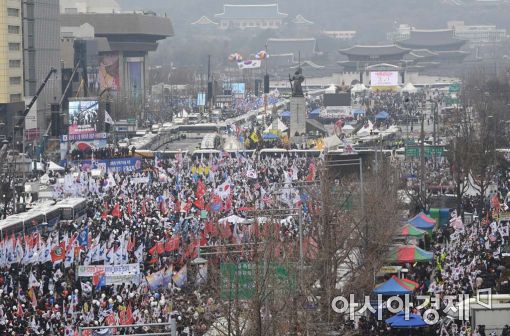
(154, 219)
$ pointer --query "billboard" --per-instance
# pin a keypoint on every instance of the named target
(134, 75)
(337, 99)
(87, 145)
(108, 73)
(237, 88)
(201, 99)
(384, 78)
(83, 116)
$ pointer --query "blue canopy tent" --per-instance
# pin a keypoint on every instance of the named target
(400, 321)
(383, 115)
(270, 136)
(392, 287)
(423, 222)
(358, 112)
(314, 114)
(285, 114)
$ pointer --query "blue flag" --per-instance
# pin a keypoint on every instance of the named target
(83, 237)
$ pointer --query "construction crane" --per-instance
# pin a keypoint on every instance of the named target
(34, 98)
(42, 144)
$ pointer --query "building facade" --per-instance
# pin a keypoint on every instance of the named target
(344, 35)
(11, 52)
(121, 43)
(11, 65)
(89, 6)
(478, 34)
(41, 44)
(243, 17)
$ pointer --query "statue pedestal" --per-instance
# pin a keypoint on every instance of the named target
(297, 118)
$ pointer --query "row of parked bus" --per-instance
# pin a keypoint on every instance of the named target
(45, 216)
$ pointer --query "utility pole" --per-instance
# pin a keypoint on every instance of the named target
(434, 112)
(422, 163)
(209, 83)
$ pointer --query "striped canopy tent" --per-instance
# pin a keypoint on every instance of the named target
(396, 286)
(423, 222)
(408, 254)
(410, 231)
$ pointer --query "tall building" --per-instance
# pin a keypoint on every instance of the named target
(11, 64)
(121, 43)
(89, 6)
(41, 44)
(478, 34)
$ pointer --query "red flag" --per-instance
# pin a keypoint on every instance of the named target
(143, 211)
(131, 244)
(192, 249)
(126, 316)
(154, 254)
(200, 189)
(110, 320)
(97, 277)
(172, 244)
(199, 203)
(225, 230)
(160, 247)
(131, 320)
(116, 210)
(210, 228)
(19, 312)
(203, 239)
(129, 210)
(58, 252)
(188, 206)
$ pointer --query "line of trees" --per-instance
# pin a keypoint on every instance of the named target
(480, 127)
(345, 240)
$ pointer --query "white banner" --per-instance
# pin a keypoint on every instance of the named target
(109, 270)
(138, 180)
(384, 78)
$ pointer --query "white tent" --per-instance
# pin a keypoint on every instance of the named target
(347, 129)
(279, 127)
(52, 166)
(331, 89)
(331, 142)
(360, 87)
(366, 130)
(235, 220)
(410, 88)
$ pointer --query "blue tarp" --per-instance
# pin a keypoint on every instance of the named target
(382, 115)
(315, 113)
(285, 114)
(392, 287)
(399, 321)
(270, 136)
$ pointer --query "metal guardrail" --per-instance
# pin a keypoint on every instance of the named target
(172, 332)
